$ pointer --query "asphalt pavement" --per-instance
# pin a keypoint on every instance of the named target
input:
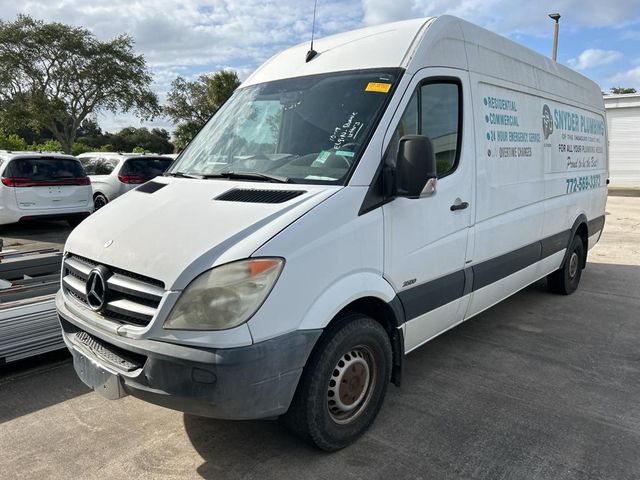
(538, 387)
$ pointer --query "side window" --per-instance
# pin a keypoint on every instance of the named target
(408, 125)
(439, 121)
(97, 165)
(433, 111)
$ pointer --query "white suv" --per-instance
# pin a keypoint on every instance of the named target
(43, 186)
(113, 174)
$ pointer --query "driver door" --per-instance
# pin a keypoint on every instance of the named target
(427, 240)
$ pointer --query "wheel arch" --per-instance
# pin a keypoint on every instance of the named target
(376, 299)
(580, 227)
(388, 314)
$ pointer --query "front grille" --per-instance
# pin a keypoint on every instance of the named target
(130, 298)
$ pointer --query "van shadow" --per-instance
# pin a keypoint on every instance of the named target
(511, 389)
(30, 385)
(242, 447)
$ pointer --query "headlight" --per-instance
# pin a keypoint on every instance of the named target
(226, 296)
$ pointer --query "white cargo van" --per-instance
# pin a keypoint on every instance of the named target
(338, 212)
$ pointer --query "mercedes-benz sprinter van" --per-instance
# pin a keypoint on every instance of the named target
(344, 207)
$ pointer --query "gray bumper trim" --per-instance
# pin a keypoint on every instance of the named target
(256, 381)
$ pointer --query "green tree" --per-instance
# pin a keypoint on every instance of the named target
(620, 90)
(47, 146)
(155, 140)
(12, 142)
(79, 147)
(55, 76)
(191, 104)
(90, 134)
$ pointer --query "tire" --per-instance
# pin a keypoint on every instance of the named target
(332, 413)
(565, 281)
(99, 201)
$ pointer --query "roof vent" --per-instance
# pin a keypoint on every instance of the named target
(259, 196)
(151, 187)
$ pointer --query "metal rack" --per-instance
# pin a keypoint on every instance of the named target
(29, 324)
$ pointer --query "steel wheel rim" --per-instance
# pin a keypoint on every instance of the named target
(351, 384)
(573, 265)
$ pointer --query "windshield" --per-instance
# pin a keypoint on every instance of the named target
(308, 129)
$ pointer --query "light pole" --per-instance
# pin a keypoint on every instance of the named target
(554, 53)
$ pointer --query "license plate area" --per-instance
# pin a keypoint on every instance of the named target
(95, 376)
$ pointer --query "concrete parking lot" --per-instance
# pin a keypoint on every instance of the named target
(539, 386)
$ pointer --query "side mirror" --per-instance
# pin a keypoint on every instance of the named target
(415, 171)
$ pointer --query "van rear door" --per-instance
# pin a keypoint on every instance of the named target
(426, 239)
(43, 183)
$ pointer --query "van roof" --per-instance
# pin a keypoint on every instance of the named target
(444, 41)
(380, 46)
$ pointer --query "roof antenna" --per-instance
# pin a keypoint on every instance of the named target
(312, 53)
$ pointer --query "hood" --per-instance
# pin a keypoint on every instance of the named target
(177, 229)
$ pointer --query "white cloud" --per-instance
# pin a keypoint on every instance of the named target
(629, 78)
(509, 17)
(190, 37)
(594, 57)
(197, 32)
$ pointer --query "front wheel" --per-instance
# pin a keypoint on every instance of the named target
(343, 384)
(565, 280)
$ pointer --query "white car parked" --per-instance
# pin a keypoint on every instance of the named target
(43, 186)
(113, 174)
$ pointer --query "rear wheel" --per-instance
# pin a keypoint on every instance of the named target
(343, 385)
(565, 280)
(99, 201)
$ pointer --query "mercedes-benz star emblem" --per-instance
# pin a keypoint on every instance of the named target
(96, 288)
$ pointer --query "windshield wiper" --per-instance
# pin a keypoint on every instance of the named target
(249, 176)
(180, 175)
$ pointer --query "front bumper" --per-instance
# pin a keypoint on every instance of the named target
(256, 381)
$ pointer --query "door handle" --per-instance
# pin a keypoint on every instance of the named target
(459, 206)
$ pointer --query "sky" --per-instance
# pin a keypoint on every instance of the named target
(598, 38)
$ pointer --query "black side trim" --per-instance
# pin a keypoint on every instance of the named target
(555, 243)
(582, 219)
(431, 295)
(428, 296)
(595, 225)
(490, 271)
(468, 281)
(398, 311)
(151, 187)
